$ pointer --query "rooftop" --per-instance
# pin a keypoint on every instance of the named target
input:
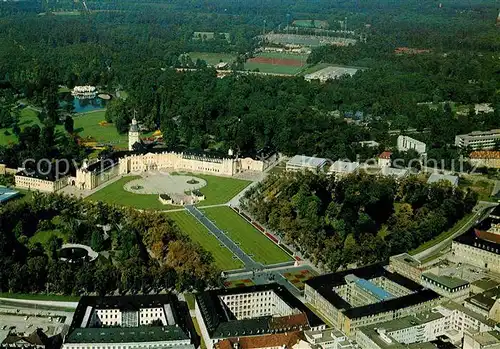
(324, 285)
(486, 299)
(385, 155)
(485, 283)
(395, 172)
(284, 340)
(220, 322)
(450, 305)
(126, 335)
(408, 259)
(487, 338)
(445, 280)
(306, 161)
(343, 166)
(485, 154)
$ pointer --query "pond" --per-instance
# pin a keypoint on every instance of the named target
(82, 105)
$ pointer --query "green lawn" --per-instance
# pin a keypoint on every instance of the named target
(44, 236)
(272, 68)
(198, 331)
(116, 195)
(308, 23)
(199, 234)
(40, 297)
(220, 190)
(252, 241)
(212, 58)
(443, 235)
(281, 55)
(189, 300)
(87, 125)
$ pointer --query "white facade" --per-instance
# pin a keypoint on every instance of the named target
(478, 139)
(475, 256)
(255, 304)
(34, 183)
(133, 134)
(406, 143)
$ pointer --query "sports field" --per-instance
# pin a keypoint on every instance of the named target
(277, 63)
(251, 241)
(224, 258)
(310, 23)
(212, 58)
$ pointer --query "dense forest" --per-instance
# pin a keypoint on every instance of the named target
(145, 251)
(359, 219)
(133, 46)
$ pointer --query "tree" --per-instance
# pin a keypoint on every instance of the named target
(69, 124)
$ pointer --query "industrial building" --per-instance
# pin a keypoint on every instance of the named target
(406, 143)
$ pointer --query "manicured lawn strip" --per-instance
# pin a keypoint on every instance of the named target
(40, 297)
(116, 195)
(189, 300)
(443, 235)
(251, 240)
(239, 283)
(199, 234)
(212, 58)
(220, 190)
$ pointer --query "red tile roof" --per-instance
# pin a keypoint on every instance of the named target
(485, 154)
(270, 340)
(486, 235)
(385, 155)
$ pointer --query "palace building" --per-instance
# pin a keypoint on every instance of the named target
(142, 158)
(253, 312)
(128, 322)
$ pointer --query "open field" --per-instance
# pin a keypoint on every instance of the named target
(308, 40)
(251, 241)
(40, 297)
(224, 258)
(277, 63)
(86, 125)
(212, 58)
(482, 186)
(310, 23)
(116, 195)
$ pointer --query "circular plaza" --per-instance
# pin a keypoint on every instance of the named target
(160, 183)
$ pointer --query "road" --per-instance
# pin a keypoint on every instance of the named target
(250, 264)
(483, 209)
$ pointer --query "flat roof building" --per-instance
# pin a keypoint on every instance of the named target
(478, 139)
(251, 311)
(343, 168)
(353, 298)
(406, 143)
(446, 286)
(302, 162)
(141, 321)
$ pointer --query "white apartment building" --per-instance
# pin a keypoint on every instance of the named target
(406, 143)
(478, 139)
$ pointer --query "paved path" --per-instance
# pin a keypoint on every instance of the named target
(55, 304)
(483, 209)
(250, 264)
